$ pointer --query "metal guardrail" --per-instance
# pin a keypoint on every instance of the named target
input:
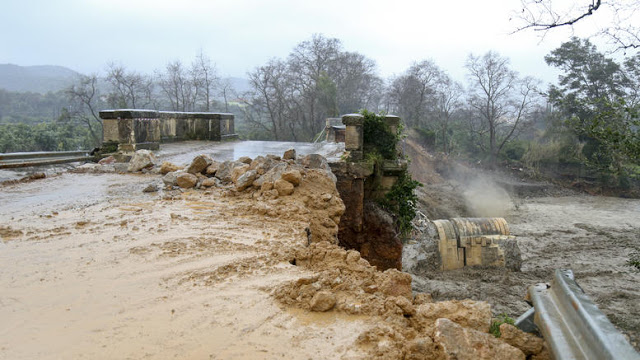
(572, 324)
(25, 159)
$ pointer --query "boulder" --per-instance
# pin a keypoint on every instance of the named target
(238, 171)
(323, 301)
(461, 343)
(315, 161)
(211, 169)
(289, 154)
(245, 180)
(171, 178)
(209, 182)
(292, 176)
(186, 180)
(199, 164)
(168, 167)
(141, 159)
(273, 174)
(224, 171)
(261, 165)
(529, 344)
(283, 187)
(245, 160)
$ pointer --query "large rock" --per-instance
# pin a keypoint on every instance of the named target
(142, 159)
(273, 174)
(211, 169)
(186, 180)
(460, 343)
(168, 167)
(224, 171)
(245, 160)
(199, 164)
(529, 344)
(323, 301)
(171, 178)
(238, 171)
(289, 154)
(261, 165)
(292, 176)
(283, 187)
(209, 182)
(245, 180)
(315, 161)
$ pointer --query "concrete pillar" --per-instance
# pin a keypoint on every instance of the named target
(354, 137)
(393, 122)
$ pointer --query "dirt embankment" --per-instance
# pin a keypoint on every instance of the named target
(555, 227)
(215, 273)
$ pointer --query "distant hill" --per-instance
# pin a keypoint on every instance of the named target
(38, 79)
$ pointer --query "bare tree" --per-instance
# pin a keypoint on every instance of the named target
(317, 80)
(499, 98)
(269, 83)
(84, 104)
(129, 89)
(226, 90)
(412, 95)
(448, 101)
(204, 80)
(621, 27)
(176, 85)
(357, 85)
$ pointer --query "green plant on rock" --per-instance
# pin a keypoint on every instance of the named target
(401, 202)
(377, 136)
(380, 144)
(501, 319)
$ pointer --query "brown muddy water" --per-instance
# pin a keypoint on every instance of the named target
(92, 268)
(593, 236)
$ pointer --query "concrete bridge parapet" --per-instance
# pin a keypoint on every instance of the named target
(133, 129)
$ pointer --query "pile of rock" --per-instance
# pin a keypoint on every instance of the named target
(274, 175)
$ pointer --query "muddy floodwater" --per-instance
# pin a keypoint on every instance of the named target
(594, 236)
(92, 267)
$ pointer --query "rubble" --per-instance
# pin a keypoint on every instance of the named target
(141, 159)
(410, 326)
(168, 167)
(199, 164)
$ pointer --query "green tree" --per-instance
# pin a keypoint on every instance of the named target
(597, 98)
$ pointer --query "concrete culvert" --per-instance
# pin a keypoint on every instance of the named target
(461, 242)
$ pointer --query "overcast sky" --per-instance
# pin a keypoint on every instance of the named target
(238, 35)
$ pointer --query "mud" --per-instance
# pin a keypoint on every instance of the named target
(555, 228)
(102, 270)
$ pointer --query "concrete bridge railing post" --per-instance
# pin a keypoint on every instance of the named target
(354, 136)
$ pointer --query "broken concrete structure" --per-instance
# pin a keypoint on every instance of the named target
(365, 227)
(476, 242)
(134, 129)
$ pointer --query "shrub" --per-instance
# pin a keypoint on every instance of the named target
(377, 136)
